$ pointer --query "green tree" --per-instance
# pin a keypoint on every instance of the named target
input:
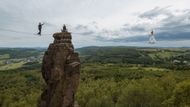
(181, 94)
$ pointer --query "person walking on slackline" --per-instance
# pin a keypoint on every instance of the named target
(152, 39)
(40, 28)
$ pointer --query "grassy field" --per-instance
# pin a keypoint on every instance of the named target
(4, 56)
(12, 66)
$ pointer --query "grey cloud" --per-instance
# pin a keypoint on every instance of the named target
(134, 28)
(156, 12)
(124, 39)
(137, 28)
(87, 33)
(24, 15)
(172, 28)
(85, 29)
(172, 23)
(5, 18)
(81, 27)
(143, 38)
(176, 24)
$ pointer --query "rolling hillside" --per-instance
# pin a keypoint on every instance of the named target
(134, 55)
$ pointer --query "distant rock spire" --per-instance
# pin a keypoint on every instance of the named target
(61, 72)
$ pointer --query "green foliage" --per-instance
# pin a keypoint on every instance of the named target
(126, 86)
(181, 94)
(143, 93)
(4, 56)
(158, 57)
(20, 88)
(31, 65)
(103, 85)
(20, 52)
(110, 77)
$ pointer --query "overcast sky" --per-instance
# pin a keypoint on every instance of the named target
(96, 22)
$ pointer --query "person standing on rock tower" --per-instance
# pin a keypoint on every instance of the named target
(64, 28)
(40, 28)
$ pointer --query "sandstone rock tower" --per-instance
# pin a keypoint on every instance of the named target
(61, 71)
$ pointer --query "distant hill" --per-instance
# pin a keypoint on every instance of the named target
(111, 54)
(21, 52)
(133, 55)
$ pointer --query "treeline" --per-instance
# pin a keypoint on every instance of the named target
(177, 58)
(114, 55)
(21, 52)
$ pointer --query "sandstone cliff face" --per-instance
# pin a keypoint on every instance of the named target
(61, 71)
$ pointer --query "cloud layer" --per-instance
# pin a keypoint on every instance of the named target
(95, 22)
(169, 26)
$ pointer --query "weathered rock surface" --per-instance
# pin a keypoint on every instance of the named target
(61, 71)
